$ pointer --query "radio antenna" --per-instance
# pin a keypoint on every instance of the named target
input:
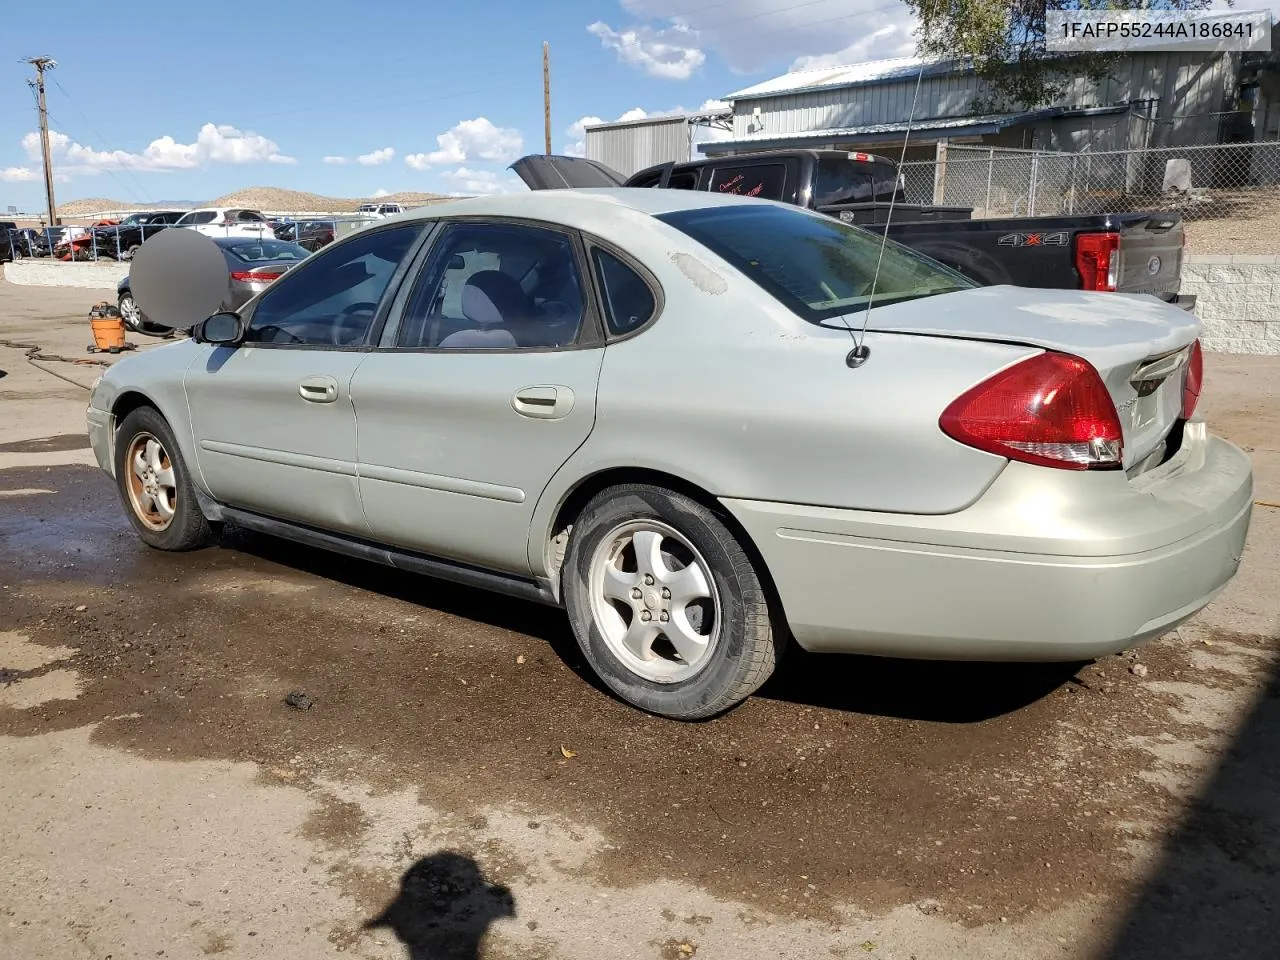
(860, 352)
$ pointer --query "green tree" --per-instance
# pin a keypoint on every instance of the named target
(1004, 40)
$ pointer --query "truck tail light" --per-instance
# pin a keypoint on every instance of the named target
(248, 276)
(1051, 409)
(1194, 378)
(1098, 260)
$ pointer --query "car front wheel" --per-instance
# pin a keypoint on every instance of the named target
(155, 485)
(667, 606)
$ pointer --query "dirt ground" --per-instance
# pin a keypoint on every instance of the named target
(460, 786)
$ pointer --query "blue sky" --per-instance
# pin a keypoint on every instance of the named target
(168, 100)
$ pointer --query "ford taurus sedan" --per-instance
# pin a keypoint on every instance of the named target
(707, 427)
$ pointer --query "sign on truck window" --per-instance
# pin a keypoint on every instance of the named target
(764, 180)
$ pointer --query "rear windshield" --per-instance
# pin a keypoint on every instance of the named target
(258, 251)
(816, 265)
(855, 181)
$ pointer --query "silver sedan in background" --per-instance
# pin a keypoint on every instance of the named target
(707, 426)
(252, 264)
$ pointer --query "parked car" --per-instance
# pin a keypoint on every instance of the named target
(76, 241)
(252, 264)
(123, 240)
(226, 222)
(379, 210)
(677, 415)
(1121, 252)
(32, 242)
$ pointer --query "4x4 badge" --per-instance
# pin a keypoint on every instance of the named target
(1059, 239)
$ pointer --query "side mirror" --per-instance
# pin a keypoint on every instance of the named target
(221, 329)
(456, 262)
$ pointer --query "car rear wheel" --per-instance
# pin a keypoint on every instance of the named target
(666, 605)
(155, 485)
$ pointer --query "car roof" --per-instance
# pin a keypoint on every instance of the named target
(566, 205)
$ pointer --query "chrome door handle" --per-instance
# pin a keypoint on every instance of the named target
(318, 389)
(543, 402)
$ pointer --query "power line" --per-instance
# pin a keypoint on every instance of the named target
(382, 104)
(107, 170)
(102, 140)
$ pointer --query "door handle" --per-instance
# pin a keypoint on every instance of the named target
(543, 402)
(318, 389)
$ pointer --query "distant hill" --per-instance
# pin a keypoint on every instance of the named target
(282, 200)
(273, 199)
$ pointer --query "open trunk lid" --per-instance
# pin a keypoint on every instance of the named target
(555, 172)
(1138, 344)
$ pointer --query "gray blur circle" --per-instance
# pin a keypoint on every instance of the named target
(179, 277)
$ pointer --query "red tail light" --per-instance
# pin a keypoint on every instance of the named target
(1194, 379)
(1051, 409)
(1098, 260)
(248, 276)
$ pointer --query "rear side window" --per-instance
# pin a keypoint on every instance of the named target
(628, 301)
(764, 180)
(853, 181)
(199, 216)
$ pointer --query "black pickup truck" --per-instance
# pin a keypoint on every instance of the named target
(1124, 252)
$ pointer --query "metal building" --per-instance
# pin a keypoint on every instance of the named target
(631, 145)
(1151, 100)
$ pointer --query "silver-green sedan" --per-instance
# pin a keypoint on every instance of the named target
(706, 426)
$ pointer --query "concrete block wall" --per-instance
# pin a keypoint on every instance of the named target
(1238, 301)
(102, 274)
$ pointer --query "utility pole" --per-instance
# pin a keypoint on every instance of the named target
(546, 93)
(42, 64)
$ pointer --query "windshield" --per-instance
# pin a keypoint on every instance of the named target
(854, 181)
(816, 265)
(259, 251)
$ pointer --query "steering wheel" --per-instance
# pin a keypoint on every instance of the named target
(339, 334)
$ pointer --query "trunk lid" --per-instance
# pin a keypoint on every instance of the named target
(554, 172)
(1138, 344)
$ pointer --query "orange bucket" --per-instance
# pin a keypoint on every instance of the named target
(108, 332)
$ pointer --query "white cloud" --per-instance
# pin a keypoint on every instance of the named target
(669, 52)
(757, 35)
(336, 161)
(218, 143)
(376, 157)
(473, 140)
(469, 182)
(17, 174)
(381, 192)
(888, 40)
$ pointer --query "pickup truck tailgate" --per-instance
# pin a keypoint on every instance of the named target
(1151, 255)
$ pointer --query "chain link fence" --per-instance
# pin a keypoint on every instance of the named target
(1221, 181)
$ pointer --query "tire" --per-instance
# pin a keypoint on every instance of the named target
(166, 515)
(137, 321)
(742, 637)
(131, 252)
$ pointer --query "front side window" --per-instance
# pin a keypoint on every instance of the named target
(764, 180)
(331, 300)
(492, 286)
(816, 265)
(197, 217)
